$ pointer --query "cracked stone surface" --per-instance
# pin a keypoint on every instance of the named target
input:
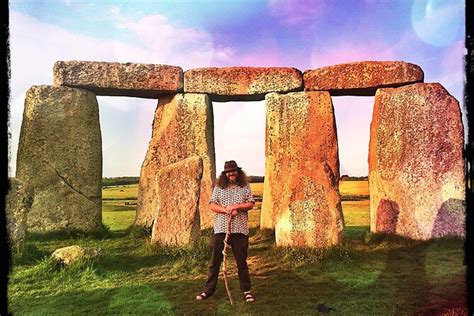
(301, 195)
(60, 158)
(129, 79)
(183, 127)
(416, 163)
(361, 78)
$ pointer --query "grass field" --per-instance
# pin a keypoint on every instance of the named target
(368, 274)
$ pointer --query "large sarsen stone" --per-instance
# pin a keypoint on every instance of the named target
(416, 166)
(361, 78)
(183, 127)
(242, 83)
(60, 158)
(301, 196)
(130, 79)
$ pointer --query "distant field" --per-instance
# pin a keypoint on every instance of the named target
(354, 187)
(119, 204)
(120, 192)
(257, 188)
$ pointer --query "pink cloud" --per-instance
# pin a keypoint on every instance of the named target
(452, 59)
(293, 12)
(267, 54)
(345, 52)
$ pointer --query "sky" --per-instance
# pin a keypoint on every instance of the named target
(305, 34)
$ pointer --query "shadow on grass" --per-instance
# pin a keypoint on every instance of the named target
(121, 300)
(386, 275)
(355, 232)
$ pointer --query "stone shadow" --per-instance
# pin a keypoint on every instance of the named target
(450, 219)
(387, 216)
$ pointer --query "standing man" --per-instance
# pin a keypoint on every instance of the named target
(231, 197)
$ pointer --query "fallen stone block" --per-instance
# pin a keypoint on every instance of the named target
(178, 189)
(72, 254)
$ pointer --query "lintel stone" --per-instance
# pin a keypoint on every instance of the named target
(242, 83)
(116, 79)
(362, 78)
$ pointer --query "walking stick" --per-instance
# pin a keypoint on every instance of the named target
(224, 268)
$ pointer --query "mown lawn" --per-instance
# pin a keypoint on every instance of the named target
(366, 275)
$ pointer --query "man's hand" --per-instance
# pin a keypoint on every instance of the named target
(231, 210)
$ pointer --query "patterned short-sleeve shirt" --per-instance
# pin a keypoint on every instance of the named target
(228, 196)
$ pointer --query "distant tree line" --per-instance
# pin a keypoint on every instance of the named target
(345, 177)
(112, 181)
(256, 179)
(107, 182)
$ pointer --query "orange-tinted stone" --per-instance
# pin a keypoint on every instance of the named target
(183, 127)
(242, 83)
(361, 78)
(416, 164)
(177, 198)
(301, 196)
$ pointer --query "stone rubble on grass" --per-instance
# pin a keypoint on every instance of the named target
(71, 254)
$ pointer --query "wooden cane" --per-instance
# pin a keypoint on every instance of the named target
(224, 268)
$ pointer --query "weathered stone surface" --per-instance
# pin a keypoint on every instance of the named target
(183, 127)
(242, 83)
(416, 167)
(60, 158)
(133, 80)
(178, 189)
(71, 254)
(18, 204)
(301, 196)
(361, 78)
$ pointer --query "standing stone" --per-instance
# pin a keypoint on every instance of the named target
(60, 158)
(301, 196)
(18, 204)
(130, 79)
(361, 78)
(183, 127)
(177, 203)
(242, 83)
(416, 166)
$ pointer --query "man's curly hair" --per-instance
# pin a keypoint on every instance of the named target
(242, 179)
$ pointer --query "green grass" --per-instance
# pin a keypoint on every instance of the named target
(368, 274)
